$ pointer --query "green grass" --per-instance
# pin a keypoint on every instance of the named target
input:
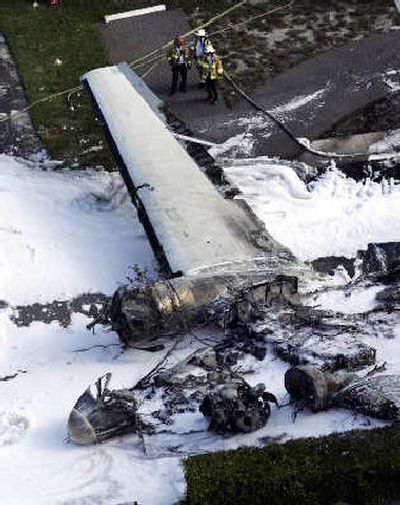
(357, 468)
(36, 38)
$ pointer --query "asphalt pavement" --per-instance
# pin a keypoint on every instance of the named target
(131, 38)
(309, 98)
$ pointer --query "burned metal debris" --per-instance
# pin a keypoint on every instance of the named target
(235, 407)
(374, 395)
(382, 258)
(175, 305)
(90, 304)
(311, 387)
(333, 364)
(101, 413)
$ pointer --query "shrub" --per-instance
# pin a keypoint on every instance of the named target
(357, 468)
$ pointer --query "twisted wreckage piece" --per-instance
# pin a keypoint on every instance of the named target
(237, 408)
(101, 413)
(375, 395)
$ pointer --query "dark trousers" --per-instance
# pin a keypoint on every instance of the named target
(179, 70)
(212, 90)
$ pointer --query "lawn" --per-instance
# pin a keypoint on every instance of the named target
(37, 37)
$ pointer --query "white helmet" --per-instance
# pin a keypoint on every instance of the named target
(201, 33)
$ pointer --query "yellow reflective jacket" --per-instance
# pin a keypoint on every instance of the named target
(174, 54)
(214, 69)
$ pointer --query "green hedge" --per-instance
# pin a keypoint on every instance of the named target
(357, 468)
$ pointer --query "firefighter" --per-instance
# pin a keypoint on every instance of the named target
(201, 42)
(179, 59)
(211, 70)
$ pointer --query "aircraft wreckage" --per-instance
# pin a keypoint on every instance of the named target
(219, 264)
(203, 242)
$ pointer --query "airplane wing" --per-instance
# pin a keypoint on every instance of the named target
(191, 227)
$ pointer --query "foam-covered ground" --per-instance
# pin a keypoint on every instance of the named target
(334, 216)
(65, 233)
(37, 464)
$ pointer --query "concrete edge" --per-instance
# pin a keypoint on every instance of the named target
(136, 12)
